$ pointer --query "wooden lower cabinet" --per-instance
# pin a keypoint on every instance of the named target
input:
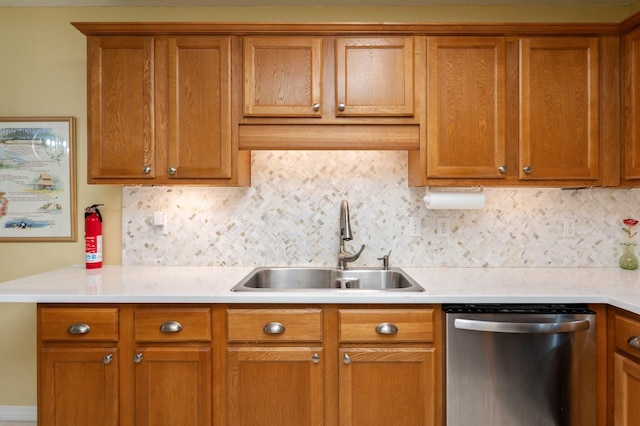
(215, 365)
(382, 386)
(79, 386)
(624, 343)
(275, 386)
(173, 386)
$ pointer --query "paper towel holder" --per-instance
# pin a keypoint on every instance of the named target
(476, 201)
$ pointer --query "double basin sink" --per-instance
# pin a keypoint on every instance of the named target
(294, 279)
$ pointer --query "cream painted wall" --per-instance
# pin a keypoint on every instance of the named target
(42, 73)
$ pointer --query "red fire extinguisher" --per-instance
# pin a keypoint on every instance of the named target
(93, 236)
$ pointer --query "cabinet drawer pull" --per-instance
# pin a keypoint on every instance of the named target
(526, 169)
(387, 328)
(137, 358)
(341, 107)
(107, 358)
(171, 327)
(273, 328)
(316, 107)
(315, 358)
(346, 359)
(634, 342)
(78, 328)
(502, 169)
(172, 170)
(146, 170)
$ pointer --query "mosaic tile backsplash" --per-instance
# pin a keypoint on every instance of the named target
(290, 217)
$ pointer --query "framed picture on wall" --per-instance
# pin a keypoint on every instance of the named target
(37, 179)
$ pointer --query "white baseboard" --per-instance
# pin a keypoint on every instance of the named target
(18, 413)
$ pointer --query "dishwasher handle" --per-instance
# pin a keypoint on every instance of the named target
(521, 327)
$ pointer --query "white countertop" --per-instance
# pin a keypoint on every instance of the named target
(182, 284)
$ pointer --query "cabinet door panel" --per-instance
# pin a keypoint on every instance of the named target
(466, 107)
(559, 119)
(380, 387)
(631, 93)
(199, 122)
(626, 392)
(277, 386)
(173, 387)
(121, 107)
(374, 76)
(283, 76)
(79, 387)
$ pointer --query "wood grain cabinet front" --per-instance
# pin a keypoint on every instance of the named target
(624, 338)
(160, 110)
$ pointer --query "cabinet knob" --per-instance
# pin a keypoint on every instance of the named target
(316, 107)
(137, 358)
(526, 169)
(634, 342)
(502, 169)
(171, 327)
(315, 358)
(341, 107)
(273, 328)
(146, 170)
(172, 170)
(107, 358)
(386, 328)
(78, 328)
(346, 359)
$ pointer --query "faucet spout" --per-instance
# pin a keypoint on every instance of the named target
(344, 256)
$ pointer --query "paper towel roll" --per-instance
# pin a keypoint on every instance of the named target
(455, 200)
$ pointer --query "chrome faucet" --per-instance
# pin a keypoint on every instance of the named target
(344, 256)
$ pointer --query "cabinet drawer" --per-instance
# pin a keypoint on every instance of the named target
(172, 325)
(283, 325)
(79, 323)
(626, 329)
(388, 325)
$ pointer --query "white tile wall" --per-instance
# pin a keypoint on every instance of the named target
(289, 216)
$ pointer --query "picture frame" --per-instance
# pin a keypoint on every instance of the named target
(38, 179)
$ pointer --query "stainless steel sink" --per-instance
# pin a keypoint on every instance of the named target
(290, 279)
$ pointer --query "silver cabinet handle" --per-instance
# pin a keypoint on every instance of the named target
(316, 107)
(521, 327)
(346, 359)
(634, 342)
(273, 328)
(526, 169)
(171, 327)
(78, 328)
(172, 170)
(146, 170)
(315, 358)
(107, 358)
(387, 328)
(137, 358)
(341, 107)
(502, 169)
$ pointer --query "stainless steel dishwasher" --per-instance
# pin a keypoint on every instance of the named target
(520, 365)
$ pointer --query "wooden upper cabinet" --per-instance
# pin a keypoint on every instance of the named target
(199, 120)
(366, 76)
(631, 105)
(121, 107)
(466, 107)
(559, 108)
(282, 76)
(374, 76)
(160, 110)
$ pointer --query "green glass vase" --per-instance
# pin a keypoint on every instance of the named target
(628, 260)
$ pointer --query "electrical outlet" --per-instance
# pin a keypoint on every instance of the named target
(160, 223)
(569, 227)
(415, 227)
(443, 227)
